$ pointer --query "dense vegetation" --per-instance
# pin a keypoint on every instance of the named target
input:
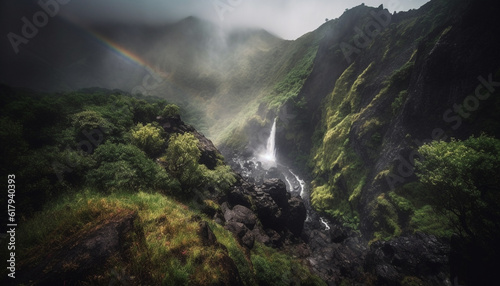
(84, 158)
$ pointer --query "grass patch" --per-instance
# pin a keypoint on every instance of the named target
(166, 249)
(273, 268)
(169, 253)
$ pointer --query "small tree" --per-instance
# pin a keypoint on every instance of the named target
(121, 166)
(463, 181)
(144, 111)
(182, 162)
(170, 110)
(182, 157)
(149, 138)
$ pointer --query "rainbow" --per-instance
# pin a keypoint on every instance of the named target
(120, 50)
(127, 54)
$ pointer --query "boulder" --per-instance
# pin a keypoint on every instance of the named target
(248, 239)
(238, 196)
(237, 228)
(275, 238)
(241, 214)
(268, 211)
(207, 236)
(261, 236)
(297, 214)
(276, 188)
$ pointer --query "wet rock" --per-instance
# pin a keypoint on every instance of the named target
(238, 196)
(276, 188)
(268, 211)
(248, 239)
(297, 214)
(418, 255)
(333, 261)
(261, 236)
(339, 234)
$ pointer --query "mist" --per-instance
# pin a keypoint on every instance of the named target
(205, 61)
(288, 19)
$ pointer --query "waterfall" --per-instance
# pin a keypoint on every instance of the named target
(271, 143)
(268, 158)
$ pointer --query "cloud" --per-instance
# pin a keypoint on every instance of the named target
(286, 18)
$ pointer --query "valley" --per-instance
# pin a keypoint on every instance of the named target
(365, 152)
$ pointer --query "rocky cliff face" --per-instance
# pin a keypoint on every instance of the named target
(381, 85)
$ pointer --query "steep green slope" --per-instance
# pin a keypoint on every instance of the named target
(291, 62)
(388, 101)
(357, 118)
(378, 86)
(107, 192)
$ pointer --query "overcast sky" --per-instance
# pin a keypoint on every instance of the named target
(288, 19)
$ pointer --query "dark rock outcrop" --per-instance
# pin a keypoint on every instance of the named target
(297, 214)
(208, 238)
(242, 215)
(82, 255)
(420, 255)
(340, 254)
(335, 259)
(277, 190)
(264, 213)
(267, 210)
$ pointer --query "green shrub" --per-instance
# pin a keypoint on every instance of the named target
(170, 110)
(462, 179)
(88, 120)
(181, 159)
(149, 138)
(126, 166)
(428, 221)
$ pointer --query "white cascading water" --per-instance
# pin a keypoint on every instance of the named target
(269, 157)
(325, 224)
(271, 143)
(301, 182)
